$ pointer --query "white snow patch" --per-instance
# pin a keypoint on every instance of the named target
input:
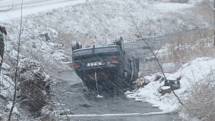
(15, 110)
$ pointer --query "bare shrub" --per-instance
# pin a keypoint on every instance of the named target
(34, 86)
(201, 103)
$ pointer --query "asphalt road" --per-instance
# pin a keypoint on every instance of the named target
(16, 4)
(70, 99)
(10, 9)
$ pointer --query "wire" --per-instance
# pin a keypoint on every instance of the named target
(16, 78)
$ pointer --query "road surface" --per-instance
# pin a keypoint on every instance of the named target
(70, 100)
(10, 9)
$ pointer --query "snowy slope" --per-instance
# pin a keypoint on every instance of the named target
(106, 20)
(98, 20)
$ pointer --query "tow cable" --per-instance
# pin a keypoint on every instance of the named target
(97, 86)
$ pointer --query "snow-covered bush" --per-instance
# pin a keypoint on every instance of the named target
(201, 103)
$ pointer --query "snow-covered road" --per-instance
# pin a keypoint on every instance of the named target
(10, 9)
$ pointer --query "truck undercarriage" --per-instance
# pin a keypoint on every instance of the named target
(104, 69)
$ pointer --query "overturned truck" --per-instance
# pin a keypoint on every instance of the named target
(105, 68)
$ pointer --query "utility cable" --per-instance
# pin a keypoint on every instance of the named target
(16, 78)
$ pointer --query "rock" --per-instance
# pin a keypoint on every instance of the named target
(164, 89)
(170, 85)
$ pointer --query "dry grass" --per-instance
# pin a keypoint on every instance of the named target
(201, 103)
(189, 46)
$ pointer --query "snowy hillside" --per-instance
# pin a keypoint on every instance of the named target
(103, 21)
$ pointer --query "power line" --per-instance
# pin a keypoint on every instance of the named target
(16, 78)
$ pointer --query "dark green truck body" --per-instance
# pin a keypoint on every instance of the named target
(105, 68)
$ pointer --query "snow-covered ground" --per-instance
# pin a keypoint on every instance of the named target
(108, 19)
(193, 72)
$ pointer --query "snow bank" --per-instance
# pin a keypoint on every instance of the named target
(191, 73)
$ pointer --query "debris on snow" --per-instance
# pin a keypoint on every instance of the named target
(191, 73)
